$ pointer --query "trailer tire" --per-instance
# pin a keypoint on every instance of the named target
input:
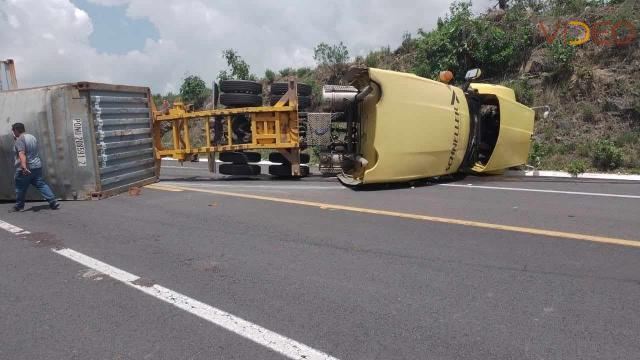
(281, 88)
(241, 86)
(276, 157)
(240, 158)
(240, 99)
(284, 171)
(303, 101)
(239, 169)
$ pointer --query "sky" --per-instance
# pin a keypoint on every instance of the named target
(157, 43)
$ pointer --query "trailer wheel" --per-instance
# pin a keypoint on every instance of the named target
(303, 101)
(240, 99)
(281, 88)
(241, 86)
(237, 157)
(277, 157)
(284, 171)
(239, 169)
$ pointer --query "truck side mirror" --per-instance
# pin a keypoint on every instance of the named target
(473, 74)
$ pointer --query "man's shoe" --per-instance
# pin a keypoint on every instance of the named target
(55, 206)
(16, 209)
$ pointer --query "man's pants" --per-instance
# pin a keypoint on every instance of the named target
(35, 179)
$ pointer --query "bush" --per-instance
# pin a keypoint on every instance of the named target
(607, 156)
(462, 41)
(562, 54)
(524, 92)
(194, 91)
(572, 7)
(577, 167)
(588, 113)
(270, 76)
(537, 153)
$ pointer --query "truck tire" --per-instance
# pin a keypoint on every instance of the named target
(281, 88)
(241, 86)
(240, 99)
(239, 169)
(237, 157)
(284, 171)
(277, 157)
(303, 101)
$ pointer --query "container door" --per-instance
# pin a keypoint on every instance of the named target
(122, 122)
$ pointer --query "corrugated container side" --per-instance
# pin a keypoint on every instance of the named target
(124, 143)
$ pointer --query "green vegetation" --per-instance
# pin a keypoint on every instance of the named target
(194, 91)
(331, 55)
(524, 91)
(593, 91)
(562, 55)
(238, 68)
(577, 167)
(462, 41)
(270, 76)
(588, 113)
(607, 156)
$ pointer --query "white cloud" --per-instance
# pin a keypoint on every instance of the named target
(49, 39)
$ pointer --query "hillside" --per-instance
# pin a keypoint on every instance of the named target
(593, 89)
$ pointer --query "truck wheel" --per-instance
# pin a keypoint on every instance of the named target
(284, 171)
(239, 169)
(303, 101)
(281, 88)
(277, 157)
(240, 99)
(237, 157)
(241, 86)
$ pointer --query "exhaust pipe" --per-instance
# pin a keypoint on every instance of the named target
(335, 98)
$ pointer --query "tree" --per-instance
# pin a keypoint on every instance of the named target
(462, 41)
(194, 91)
(332, 57)
(238, 68)
(270, 76)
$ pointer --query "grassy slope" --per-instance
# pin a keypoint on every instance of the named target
(596, 98)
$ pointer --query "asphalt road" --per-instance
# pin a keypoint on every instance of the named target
(483, 268)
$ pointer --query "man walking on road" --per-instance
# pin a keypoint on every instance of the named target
(29, 168)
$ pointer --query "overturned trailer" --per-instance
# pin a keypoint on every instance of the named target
(95, 140)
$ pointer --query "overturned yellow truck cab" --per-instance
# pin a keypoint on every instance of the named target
(401, 127)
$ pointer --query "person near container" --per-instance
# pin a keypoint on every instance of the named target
(28, 166)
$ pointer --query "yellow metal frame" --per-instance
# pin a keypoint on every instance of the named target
(272, 127)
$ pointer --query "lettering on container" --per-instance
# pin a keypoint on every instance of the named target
(78, 137)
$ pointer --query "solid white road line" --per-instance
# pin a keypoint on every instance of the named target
(274, 341)
(564, 174)
(471, 186)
